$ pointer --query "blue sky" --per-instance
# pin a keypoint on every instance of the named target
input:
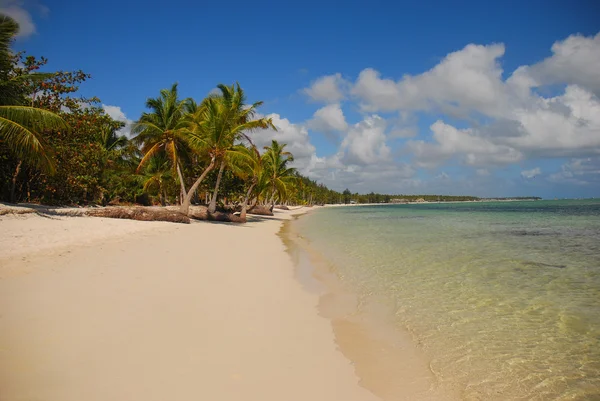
(482, 98)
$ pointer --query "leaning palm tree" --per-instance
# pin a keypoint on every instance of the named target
(280, 177)
(210, 137)
(239, 121)
(164, 130)
(249, 168)
(215, 131)
(21, 126)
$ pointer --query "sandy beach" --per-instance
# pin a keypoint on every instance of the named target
(100, 309)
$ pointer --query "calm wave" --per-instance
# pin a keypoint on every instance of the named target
(504, 297)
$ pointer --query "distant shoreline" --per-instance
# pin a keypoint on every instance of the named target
(430, 202)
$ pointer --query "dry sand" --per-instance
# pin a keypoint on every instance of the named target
(99, 309)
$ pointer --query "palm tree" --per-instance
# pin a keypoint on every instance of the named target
(21, 126)
(239, 121)
(249, 168)
(111, 140)
(157, 177)
(215, 130)
(164, 129)
(279, 175)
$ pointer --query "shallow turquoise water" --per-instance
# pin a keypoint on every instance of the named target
(504, 297)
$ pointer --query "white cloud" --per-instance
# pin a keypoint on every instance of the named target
(501, 121)
(328, 119)
(466, 80)
(469, 145)
(442, 176)
(575, 60)
(117, 114)
(363, 160)
(16, 10)
(579, 171)
(529, 174)
(365, 143)
(565, 125)
(327, 89)
(509, 122)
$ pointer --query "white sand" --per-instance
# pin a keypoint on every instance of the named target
(99, 309)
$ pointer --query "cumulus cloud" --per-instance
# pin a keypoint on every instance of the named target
(365, 143)
(327, 89)
(117, 114)
(529, 174)
(465, 80)
(328, 120)
(362, 161)
(471, 146)
(563, 126)
(574, 60)
(495, 121)
(508, 121)
(578, 171)
(16, 10)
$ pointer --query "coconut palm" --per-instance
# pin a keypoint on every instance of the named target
(239, 121)
(111, 140)
(158, 176)
(250, 169)
(280, 177)
(215, 132)
(164, 130)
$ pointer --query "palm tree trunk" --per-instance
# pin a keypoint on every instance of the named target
(185, 206)
(182, 184)
(272, 200)
(14, 181)
(245, 204)
(213, 201)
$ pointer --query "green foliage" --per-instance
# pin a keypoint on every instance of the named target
(279, 176)
(55, 148)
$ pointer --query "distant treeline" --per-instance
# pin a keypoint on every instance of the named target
(325, 195)
(348, 197)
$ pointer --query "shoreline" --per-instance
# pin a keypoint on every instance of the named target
(389, 362)
(161, 311)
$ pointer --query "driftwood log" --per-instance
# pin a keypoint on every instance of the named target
(201, 213)
(140, 213)
(261, 210)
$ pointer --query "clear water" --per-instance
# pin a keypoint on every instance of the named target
(503, 297)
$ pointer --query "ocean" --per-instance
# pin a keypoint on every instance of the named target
(502, 298)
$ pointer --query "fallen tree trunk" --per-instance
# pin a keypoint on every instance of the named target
(226, 217)
(202, 213)
(261, 210)
(140, 214)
